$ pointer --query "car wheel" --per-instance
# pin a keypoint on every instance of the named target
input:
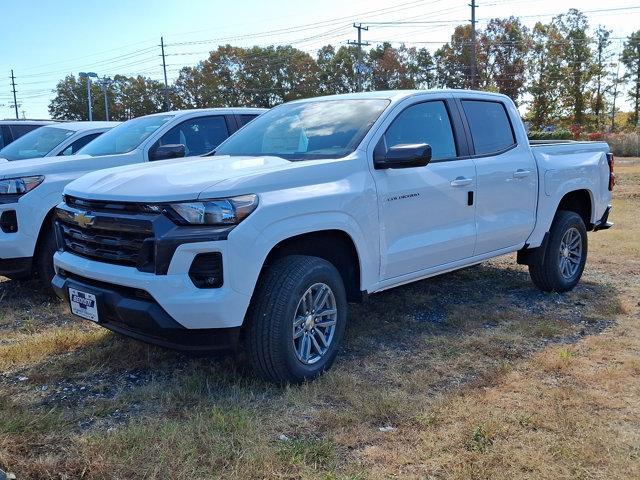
(558, 265)
(297, 319)
(44, 259)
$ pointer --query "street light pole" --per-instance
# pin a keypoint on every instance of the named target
(88, 76)
(104, 85)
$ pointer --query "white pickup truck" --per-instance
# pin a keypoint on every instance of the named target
(315, 203)
(30, 189)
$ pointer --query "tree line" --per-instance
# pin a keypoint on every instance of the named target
(562, 72)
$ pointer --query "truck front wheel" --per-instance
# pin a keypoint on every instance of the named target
(558, 265)
(297, 319)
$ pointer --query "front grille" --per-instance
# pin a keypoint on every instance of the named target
(123, 238)
(122, 248)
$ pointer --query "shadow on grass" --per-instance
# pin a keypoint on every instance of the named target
(484, 312)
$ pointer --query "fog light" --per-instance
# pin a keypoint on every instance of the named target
(206, 270)
(9, 221)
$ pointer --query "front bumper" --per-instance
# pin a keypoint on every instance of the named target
(16, 248)
(134, 313)
(175, 293)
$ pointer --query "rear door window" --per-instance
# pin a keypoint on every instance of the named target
(244, 119)
(198, 135)
(79, 143)
(491, 129)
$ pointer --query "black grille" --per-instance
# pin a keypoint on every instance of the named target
(122, 248)
(120, 238)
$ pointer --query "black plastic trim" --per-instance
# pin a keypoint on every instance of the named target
(127, 311)
(604, 223)
(16, 267)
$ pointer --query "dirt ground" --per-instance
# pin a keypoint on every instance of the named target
(473, 374)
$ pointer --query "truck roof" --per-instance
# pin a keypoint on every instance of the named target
(80, 126)
(400, 94)
(229, 110)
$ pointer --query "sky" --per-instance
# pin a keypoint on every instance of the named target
(43, 41)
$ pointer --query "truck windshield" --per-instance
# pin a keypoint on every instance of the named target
(125, 137)
(306, 131)
(37, 143)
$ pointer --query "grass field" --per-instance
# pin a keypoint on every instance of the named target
(470, 375)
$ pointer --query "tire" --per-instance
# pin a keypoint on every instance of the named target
(274, 351)
(43, 267)
(548, 264)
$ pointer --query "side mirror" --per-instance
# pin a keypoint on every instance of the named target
(403, 156)
(164, 152)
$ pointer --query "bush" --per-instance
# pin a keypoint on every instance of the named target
(624, 144)
(555, 135)
(595, 136)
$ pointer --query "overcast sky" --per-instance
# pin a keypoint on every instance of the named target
(42, 41)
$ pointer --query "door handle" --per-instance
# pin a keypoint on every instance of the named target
(521, 173)
(461, 182)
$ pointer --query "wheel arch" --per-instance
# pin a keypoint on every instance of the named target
(333, 245)
(579, 201)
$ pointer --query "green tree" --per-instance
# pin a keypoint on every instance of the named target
(544, 75)
(453, 61)
(577, 64)
(419, 66)
(505, 43)
(631, 60)
(602, 73)
(336, 69)
(388, 72)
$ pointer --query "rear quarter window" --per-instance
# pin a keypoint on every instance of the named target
(490, 126)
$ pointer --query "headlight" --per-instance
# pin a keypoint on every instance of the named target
(223, 211)
(19, 186)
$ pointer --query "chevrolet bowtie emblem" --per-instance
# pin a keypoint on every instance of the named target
(84, 219)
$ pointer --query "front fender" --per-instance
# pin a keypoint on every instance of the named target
(249, 247)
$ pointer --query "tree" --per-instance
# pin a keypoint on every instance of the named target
(453, 61)
(70, 102)
(631, 60)
(336, 70)
(577, 64)
(601, 73)
(544, 75)
(419, 66)
(388, 72)
(505, 43)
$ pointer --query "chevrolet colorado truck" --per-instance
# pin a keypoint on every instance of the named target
(315, 203)
(31, 189)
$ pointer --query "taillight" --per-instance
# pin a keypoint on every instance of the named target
(612, 175)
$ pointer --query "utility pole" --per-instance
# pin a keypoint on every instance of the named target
(166, 83)
(474, 60)
(360, 44)
(13, 86)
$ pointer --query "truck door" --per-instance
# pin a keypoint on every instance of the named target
(425, 213)
(507, 187)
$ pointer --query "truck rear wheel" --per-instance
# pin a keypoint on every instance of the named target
(297, 319)
(558, 265)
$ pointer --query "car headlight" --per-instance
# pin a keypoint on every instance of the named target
(222, 211)
(20, 185)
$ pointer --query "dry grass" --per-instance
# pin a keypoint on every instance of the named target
(478, 374)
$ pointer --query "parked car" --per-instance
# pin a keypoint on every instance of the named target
(11, 130)
(313, 204)
(56, 139)
(30, 189)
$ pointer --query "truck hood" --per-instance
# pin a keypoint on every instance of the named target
(169, 180)
(53, 165)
